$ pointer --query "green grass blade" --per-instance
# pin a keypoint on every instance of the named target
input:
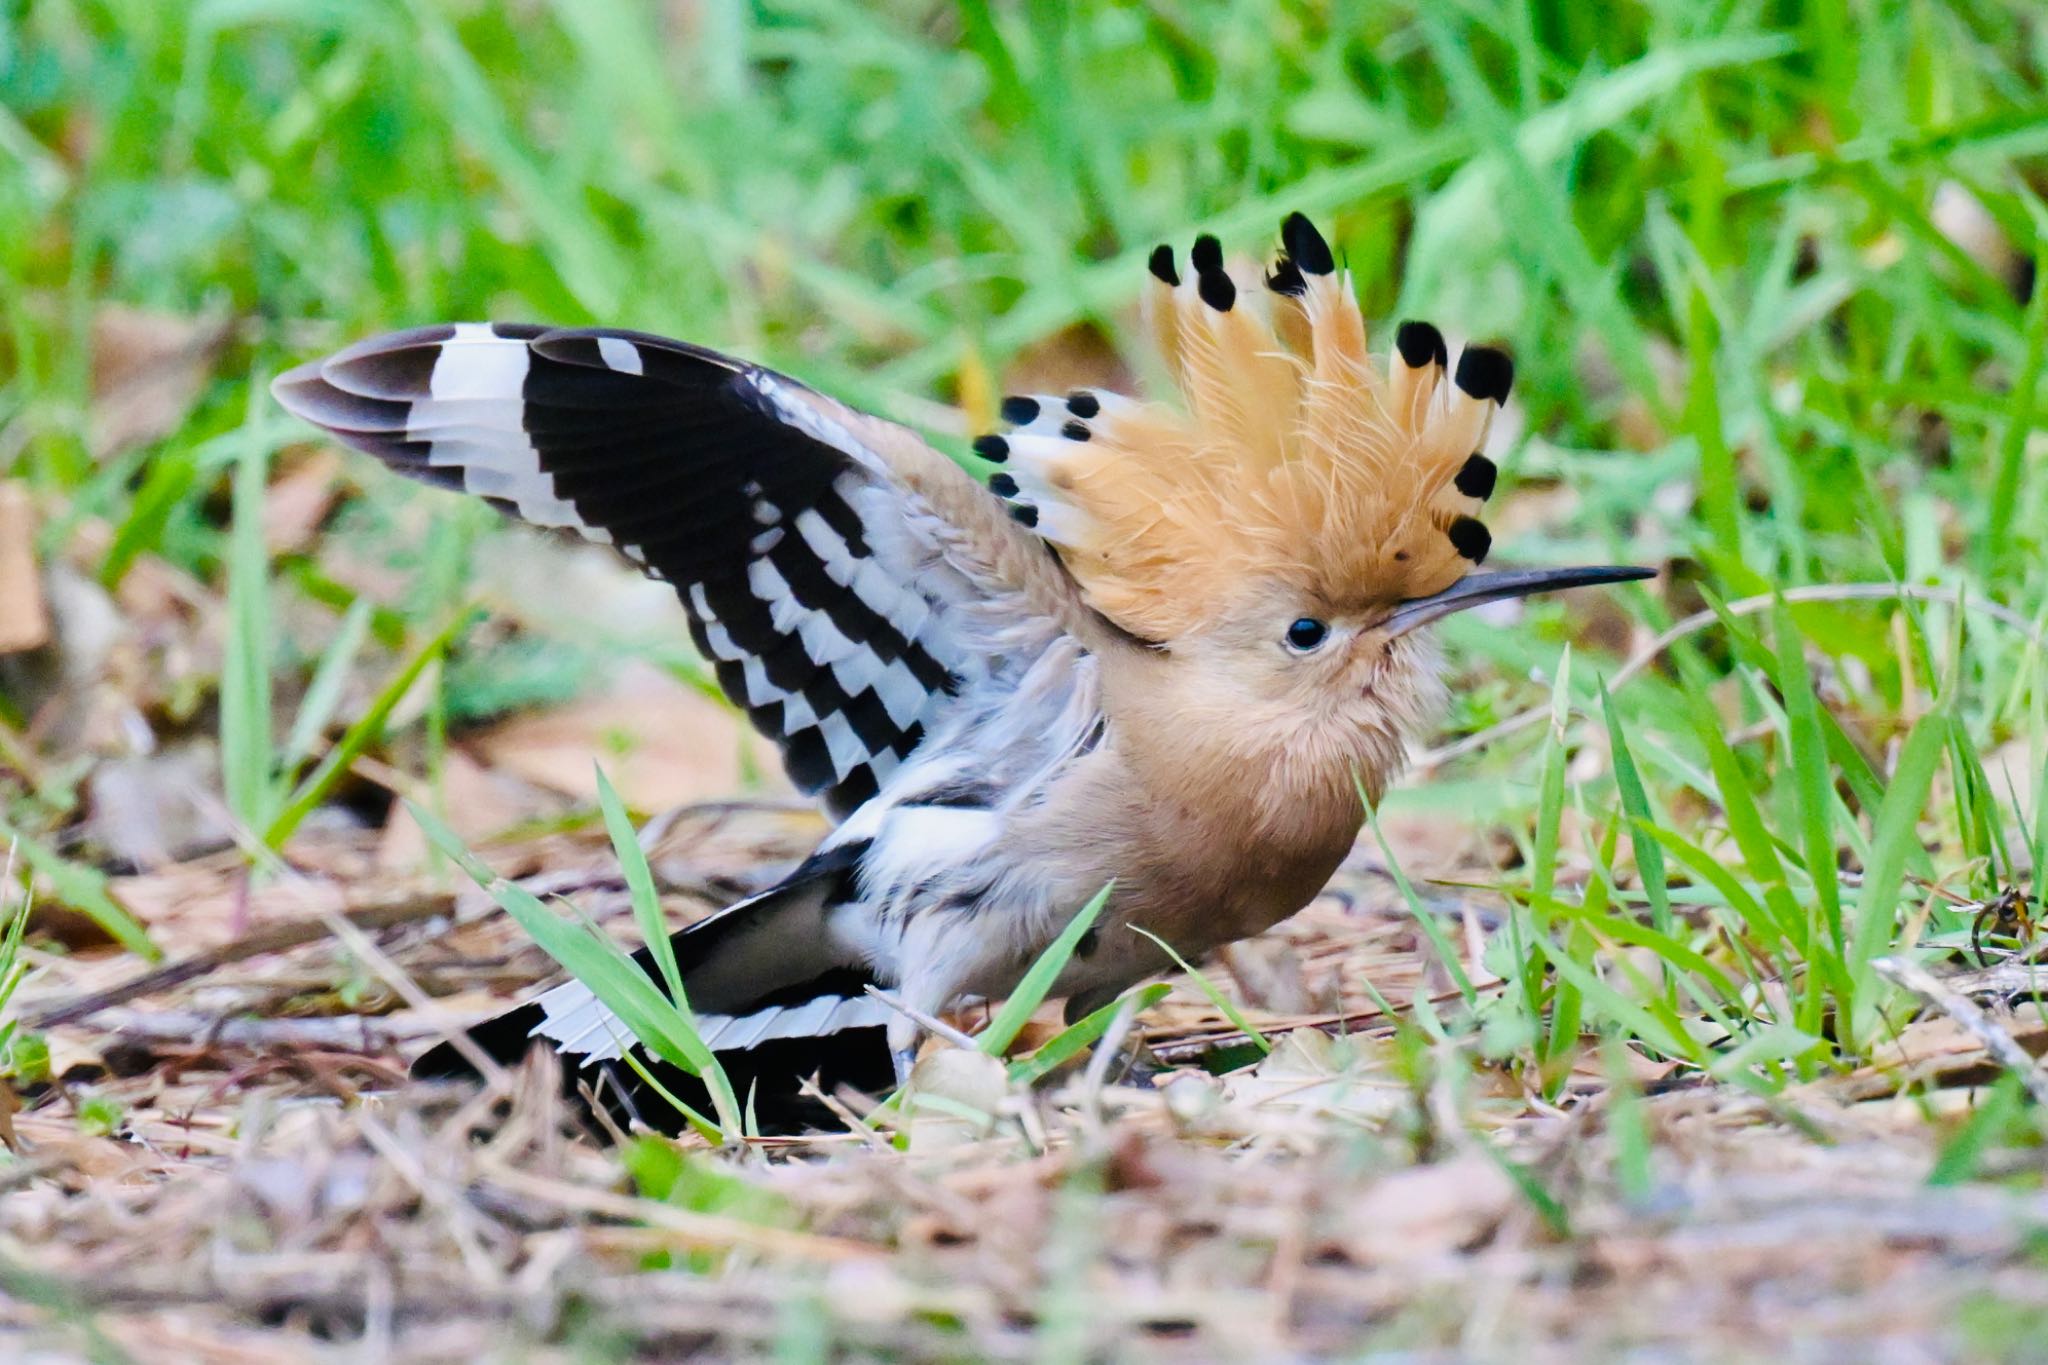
(1635, 805)
(1877, 900)
(1424, 920)
(1209, 988)
(1612, 1004)
(85, 889)
(654, 932)
(593, 959)
(1992, 1123)
(1813, 783)
(1038, 982)
(248, 760)
(323, 693)
(1671, 951)
(1744, 814)
(1550, 791)
(367, 730)
(14, 913)
(1082, 1034)
(1747, 909)
(1628, 1128)
(640, 889)
(1996, 543)
(707, 1129)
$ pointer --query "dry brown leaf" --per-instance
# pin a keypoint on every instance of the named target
(1076, 357)
(660, 743)
(299, 500)
(477, 804)
(148, 809)
(1932, 1052)
(24, 619)
(1310, 1073)
(1427, 1211)
(83, 1157)
(148, 370)
(972, 1087)
(1268, 975)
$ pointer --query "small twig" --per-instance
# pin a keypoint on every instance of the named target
(938, 1028)
(2006, 1052)
(1176, 1050)
(1106, 1049)
(855, 1124)
(1744, 606)
(271, 938)
(2012, 977)
(463, 1219)
(341, 1033)
(394, 976)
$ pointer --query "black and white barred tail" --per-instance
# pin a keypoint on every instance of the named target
(777, 990)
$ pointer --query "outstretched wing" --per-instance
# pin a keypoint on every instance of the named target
(815, 580)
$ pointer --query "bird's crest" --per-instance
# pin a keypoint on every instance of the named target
(1296, 458)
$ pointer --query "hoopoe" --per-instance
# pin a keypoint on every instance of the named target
(1165, 646)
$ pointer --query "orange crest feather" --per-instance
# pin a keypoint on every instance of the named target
(1296, 458)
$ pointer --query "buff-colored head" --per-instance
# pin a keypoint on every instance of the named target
(1282, 531)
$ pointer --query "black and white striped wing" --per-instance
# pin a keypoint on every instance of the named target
(829, 616)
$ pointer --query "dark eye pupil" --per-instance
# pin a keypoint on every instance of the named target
(1306, 633)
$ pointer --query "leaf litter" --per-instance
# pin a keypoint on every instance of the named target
(271, 1185)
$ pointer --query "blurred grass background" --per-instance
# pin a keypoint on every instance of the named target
(1768, 270)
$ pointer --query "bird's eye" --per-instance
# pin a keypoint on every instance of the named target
(1307, 634)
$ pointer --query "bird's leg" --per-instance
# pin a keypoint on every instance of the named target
(1134, 1066)
(1119, 1055)
(903, 1039)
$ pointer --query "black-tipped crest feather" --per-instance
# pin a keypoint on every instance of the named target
(1306, 246)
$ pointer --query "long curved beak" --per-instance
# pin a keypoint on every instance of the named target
(1477, 589)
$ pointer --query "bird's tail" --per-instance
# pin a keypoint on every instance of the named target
(777, 996)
